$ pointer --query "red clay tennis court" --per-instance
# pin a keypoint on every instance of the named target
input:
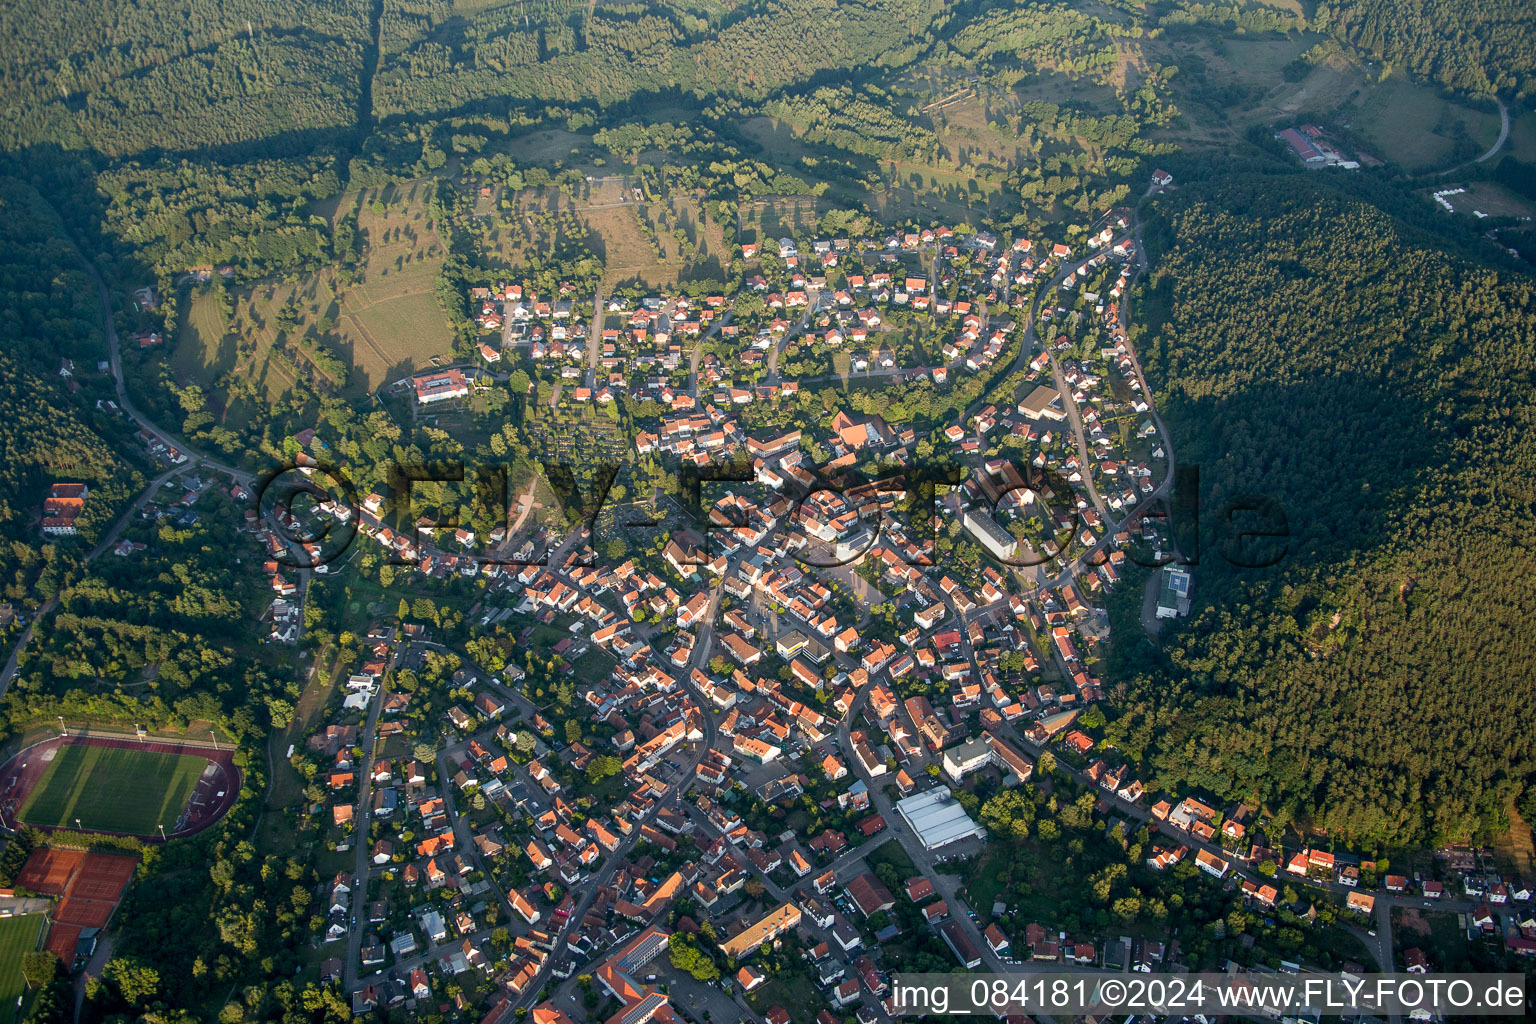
(85, 913)
(61, 941)
(49, 871)
(91, 884)
(103, 877)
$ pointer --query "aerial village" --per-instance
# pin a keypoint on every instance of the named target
(656, 787)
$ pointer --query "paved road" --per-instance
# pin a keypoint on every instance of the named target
(1503, 133)
(1075, 420)
(698, 350)
(946, 885)
(13, 663)
(813, 298)
(361, 838)
(115, 358)
(1492, 150)
(595, 338)
(1088, 558)
(618, 857)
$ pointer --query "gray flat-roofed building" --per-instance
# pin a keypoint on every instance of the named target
(1173, 593)
(998, 541)
(937, 819)
(967, 757)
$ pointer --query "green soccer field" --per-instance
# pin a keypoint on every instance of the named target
(113, 789)
(18, 935)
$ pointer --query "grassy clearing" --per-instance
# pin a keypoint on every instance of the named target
(1442, 936)
(206, 350)
(1493, 199)
(1227, 84)
(592, 667)
(384, 324)
(1417, 127)
(967, 137)
(113, 789)
(203, 344)
(1515, 848)
(770, 218)
(775, 136)
(391, 317)
(627, 253)
(996, 873)
(18, 935)
(1522, 136)
(550, 147)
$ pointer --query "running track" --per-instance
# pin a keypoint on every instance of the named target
(22, 772)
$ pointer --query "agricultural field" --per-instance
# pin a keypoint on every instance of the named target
(206, 350)
(113, 789)
(18, 935)
(351, 330)
(627, 249)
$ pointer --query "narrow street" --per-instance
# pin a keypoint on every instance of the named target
(360, 836)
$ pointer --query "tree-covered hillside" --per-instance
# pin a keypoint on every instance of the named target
(282, 76)
(178, 75)
(1378, 681)
(49, 431)
(1476, 45)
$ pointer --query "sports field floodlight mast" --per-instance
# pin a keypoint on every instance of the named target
(62, 731)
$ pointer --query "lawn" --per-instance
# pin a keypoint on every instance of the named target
(1442, 936)
(18, 935)
(891, 853)
(113, 789)
(1522, 136)
(793, 991)
(1492, 199)
(593, 667)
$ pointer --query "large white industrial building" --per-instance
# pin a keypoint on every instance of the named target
(937, 819)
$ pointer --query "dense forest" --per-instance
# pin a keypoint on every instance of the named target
(1475, 45)
(178, 74)
(1377, 681)
(190, 76)
(613, 55)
